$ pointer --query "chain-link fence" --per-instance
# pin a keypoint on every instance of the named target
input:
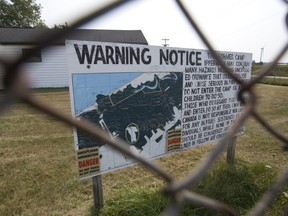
(16, 88)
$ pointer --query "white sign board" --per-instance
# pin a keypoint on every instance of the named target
(157, 99)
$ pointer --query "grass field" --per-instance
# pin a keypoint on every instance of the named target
(278, 76)
(38, 173)
(279, 70)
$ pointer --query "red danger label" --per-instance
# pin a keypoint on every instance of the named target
(89, 162)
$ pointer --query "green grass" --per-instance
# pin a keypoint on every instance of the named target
(274, 81)
(38, 173)
(279, 70)
(140, 201)
(239, 186)
(278, 76)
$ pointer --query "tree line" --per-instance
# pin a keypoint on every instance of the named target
(22, 14)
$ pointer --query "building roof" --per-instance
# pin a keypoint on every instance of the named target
(27, 36)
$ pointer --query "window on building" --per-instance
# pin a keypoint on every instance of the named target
(32, 55)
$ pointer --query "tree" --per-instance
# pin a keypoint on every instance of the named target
(21, 13)
(61, 26)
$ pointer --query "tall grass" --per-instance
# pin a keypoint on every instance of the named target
(240, 186)
(38, 173)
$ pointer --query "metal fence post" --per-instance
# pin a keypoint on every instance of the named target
(231, 151)
(97, 192)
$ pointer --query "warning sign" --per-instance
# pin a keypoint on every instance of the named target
(88, 161)
(157, 99)
(174, 140)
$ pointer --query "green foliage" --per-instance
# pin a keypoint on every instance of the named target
(21, 13)
(239, 186)
(60, 26)
(139, 201)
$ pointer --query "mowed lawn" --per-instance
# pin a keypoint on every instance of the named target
(38, 173)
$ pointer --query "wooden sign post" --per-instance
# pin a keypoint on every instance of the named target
(231, 151)
(97, 192)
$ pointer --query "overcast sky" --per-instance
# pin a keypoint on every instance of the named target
(231, 25)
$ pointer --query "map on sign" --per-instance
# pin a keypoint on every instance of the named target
(157, 99)
(136, 107)
(89, 85)
(138, 111)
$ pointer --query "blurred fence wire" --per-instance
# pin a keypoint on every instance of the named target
(16, 88)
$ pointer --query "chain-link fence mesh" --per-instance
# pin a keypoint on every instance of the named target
(16, 89)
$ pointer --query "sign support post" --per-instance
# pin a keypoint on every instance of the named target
(231, 151)
(97, 192)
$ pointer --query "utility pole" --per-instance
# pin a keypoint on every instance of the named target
(261, 54)
(165, 42)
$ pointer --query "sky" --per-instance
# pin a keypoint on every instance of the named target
(249, 26)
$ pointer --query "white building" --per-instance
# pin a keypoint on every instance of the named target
(47, 67)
